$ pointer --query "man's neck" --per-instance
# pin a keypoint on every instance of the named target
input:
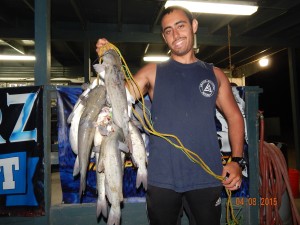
(185, 59)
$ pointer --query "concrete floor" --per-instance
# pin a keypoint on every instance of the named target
(56, 193)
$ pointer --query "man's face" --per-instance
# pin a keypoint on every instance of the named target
(178, 32)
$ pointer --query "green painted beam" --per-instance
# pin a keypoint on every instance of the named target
(251, 99)
(140, 34)
(295, 101)
(42, 42)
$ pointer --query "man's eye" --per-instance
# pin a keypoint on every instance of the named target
(167, 32)
(180, 26)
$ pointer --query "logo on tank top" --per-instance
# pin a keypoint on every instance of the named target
(207, 88)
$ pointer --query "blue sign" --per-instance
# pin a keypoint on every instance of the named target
(21, 152)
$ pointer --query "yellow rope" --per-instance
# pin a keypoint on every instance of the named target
(149, 127)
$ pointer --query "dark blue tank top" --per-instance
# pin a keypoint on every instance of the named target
(184, 105)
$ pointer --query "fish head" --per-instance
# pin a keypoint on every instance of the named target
(111, 57)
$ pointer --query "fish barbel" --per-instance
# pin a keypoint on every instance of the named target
(112, 165)
(86, 131)
(115, 86)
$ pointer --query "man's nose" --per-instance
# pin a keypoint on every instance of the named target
(175, 33)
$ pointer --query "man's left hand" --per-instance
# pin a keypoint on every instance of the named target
(232, 173)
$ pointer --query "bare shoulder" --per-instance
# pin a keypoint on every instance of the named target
(147, 73)
(225, 100)
(144, 81)
(147, 70)
(220, 75)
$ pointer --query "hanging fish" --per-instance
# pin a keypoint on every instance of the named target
(112, 165)
(138, 155)
(115, 85)
(86, 131)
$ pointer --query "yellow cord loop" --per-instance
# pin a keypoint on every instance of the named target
(195, 158)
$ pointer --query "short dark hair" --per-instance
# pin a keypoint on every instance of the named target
(170, 9)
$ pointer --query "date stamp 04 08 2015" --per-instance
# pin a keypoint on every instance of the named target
(256, 201)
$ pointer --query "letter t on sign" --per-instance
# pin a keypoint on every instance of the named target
(13, 173)
(7, 165)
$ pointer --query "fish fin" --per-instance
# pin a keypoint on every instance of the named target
(101, 208)
(103, 130)
(70, 117)
(108, 102)
(96, 149)
(114, 216)
(121, 196)
(129, 143)
(141, 178)
(133, 161)
(123, 155)
(85, 86)
(137, 123)
(123, 147)
(92, 155)
(129, 97)
(100, 166)
(100, 69)
(76, 168)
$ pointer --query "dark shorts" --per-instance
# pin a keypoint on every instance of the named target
(165, 206)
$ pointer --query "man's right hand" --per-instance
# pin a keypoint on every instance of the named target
(100, 43)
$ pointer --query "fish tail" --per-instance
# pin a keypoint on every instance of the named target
(82, 185)
(141, 178)
(101, 208)
(114, 216)
(76, 169)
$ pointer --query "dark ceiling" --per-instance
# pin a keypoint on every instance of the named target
(133, 26)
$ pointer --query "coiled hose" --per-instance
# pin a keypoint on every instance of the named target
(274, 182)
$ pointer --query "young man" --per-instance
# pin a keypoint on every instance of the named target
(184, 93)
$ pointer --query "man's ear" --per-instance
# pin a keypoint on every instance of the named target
(162, 34)
(195, 25)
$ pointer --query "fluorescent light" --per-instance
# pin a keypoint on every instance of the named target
(232, 8)
(263, 62)
(17, 57)
(155, 58)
